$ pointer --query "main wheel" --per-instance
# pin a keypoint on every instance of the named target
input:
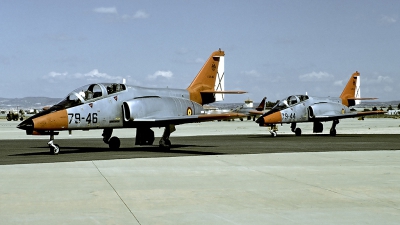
(54, 150)
(332, 132)
(114, 143)
(273, 134)
(297, 132)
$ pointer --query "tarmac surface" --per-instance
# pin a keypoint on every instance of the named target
(37, 151)
(215, 173)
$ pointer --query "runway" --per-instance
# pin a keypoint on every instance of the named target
(241, 177)
(37, 151)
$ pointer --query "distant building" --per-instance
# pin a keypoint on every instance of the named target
(393, 112)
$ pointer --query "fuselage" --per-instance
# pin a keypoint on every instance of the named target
(103, 105)
(302, 108)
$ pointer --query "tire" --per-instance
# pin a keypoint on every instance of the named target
(55, 150)
(114, 143)
(332, 132)
(297, 132)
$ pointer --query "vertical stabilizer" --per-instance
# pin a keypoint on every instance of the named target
(262, 105)
(209, 78)
(351, 90)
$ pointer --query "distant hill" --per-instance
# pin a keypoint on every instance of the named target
(27, 102)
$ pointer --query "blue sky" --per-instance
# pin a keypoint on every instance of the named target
(272, 48)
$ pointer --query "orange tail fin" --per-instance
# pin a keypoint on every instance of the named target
(351, 90)
(205, 79)
(208, 85)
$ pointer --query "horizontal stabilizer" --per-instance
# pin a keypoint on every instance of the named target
(362, 98)
(223, 92)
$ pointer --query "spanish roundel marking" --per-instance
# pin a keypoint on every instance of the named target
(189, 111)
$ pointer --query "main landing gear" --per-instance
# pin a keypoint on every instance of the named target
(297, 130)
(317, 128)
(273, 129)
(332, 131)
(113, 142)
(164, 142)
(145, 136)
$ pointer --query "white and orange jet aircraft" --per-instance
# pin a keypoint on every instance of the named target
(111, 106)
(303, 108)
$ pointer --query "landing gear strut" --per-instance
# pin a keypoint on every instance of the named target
(54, 148)
(164, 142)
(332, 131)
(273, 129)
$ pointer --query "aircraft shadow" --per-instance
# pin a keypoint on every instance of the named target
(303, 135)
(144, 149)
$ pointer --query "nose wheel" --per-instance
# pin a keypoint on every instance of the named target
(54, 148)
(273, 130)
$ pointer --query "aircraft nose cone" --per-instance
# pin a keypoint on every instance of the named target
(260, 120)
(273, 118)
(26, 125)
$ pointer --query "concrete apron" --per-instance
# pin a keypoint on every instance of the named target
(295, 188)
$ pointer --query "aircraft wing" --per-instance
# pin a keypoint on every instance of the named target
(176, 120)
(346, 115)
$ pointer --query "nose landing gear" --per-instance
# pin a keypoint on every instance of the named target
(273, 130)
(54, 148)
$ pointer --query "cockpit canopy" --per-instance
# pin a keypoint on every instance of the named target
(289, 101)
(89, 93)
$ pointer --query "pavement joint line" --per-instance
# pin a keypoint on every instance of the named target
(116, 192)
